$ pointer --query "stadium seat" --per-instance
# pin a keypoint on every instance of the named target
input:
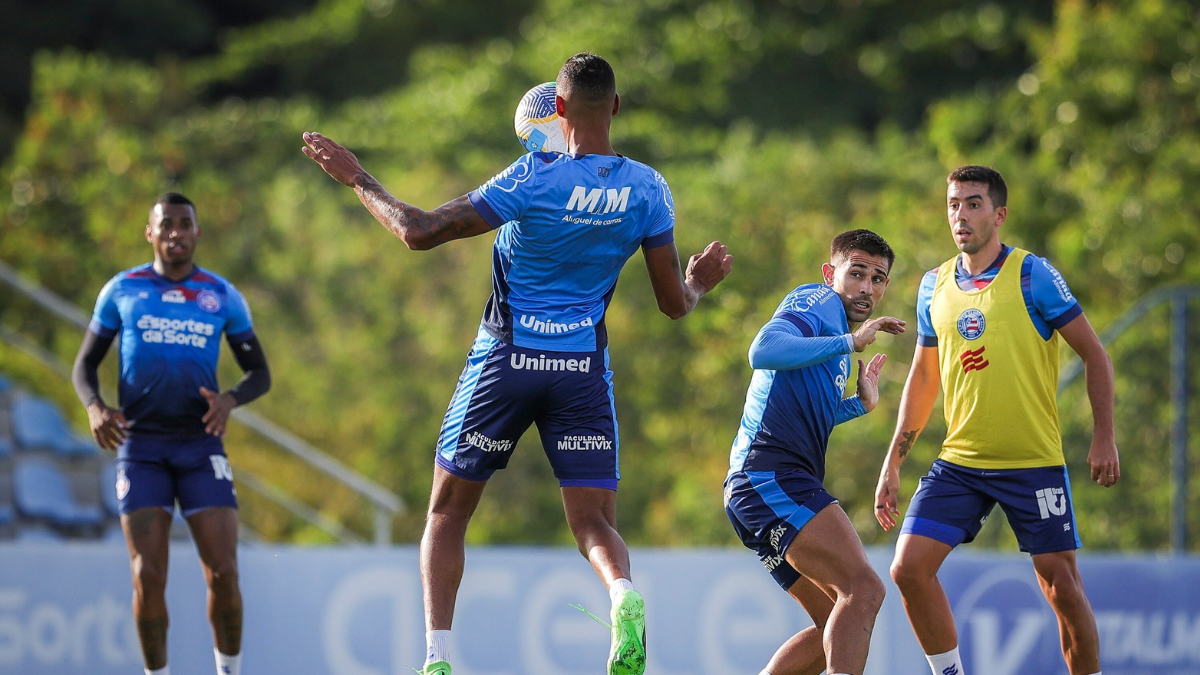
(6, 447)
(41, 491)
(38, 424)
(6, 516)
(38, 533)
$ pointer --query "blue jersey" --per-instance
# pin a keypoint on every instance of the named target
(170, 337)
(789, 414)
(567, 225)
(1048, 300)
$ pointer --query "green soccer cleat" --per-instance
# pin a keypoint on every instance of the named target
(436, 668)
(628, 653)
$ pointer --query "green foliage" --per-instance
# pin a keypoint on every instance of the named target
(778, 125)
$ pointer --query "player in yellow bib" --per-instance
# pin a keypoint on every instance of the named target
(988, 327)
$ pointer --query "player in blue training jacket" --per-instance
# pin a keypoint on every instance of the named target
(567, 224)
(774, 492)
(169, 316)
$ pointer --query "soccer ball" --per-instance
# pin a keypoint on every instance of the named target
(536, 121)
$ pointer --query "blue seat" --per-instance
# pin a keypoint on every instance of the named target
(4, 384)
(38, 534)
(6, 447)
(37, 424)
(6, 516)
(41, 491)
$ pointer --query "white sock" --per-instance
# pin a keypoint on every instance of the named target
(226, 664)
(437, 646)
(165, 670)
(617, 587)
(946, 663)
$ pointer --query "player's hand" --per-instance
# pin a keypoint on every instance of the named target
(887, 497)
(219, 407)
(109, 427)
(1103, 460)
(865, 335)
(336, 160)
(868, 381)
(707, 269)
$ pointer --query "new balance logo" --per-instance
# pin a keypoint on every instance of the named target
(1051, 501)
(973, 360)
(598, 200)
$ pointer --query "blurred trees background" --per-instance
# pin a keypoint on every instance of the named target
(777, 123)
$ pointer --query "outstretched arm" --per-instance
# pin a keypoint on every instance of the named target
(920, 393)
(1098, 371)
(677, 294)
(417, 228)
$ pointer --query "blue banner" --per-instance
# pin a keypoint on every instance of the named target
(357, 611)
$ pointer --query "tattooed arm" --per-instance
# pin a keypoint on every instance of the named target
(417, 228)
(920, 393)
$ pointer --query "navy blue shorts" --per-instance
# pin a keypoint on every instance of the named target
(504, 389)
(768, 509)
(953, 501)
(160, 472)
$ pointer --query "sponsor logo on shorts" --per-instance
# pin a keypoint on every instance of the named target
(478, 440)
(971, 324)
(973, 360)
(523, 362)
(776, 536)
(771, 562)
(209, 301)
(158, 330)
(1051, 502)
(585, 443)
(549, 327)
(175, 296)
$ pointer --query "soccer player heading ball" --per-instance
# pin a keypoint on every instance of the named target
(567, 223)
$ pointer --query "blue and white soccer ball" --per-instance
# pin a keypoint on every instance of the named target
(536, 121)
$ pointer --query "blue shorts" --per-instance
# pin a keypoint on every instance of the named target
(159, 473)
(504, 388)
(953, 501)
(768, 509)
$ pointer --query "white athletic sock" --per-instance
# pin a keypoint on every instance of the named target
(165, 670)
(226, 664)
(618, 587)
(946, 663)
(437, 646)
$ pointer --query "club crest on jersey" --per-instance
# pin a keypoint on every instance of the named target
(209, 301)
(971, 324)
(175, 295)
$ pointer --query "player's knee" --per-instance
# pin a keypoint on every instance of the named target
(869, 590)
(223, 576)
(908, 577)
(149, 576)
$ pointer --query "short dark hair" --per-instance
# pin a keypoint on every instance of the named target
(861, 240)
(973, 173)
(588, 79)
(174, 198)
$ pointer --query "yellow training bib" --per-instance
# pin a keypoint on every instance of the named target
(998, 375)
